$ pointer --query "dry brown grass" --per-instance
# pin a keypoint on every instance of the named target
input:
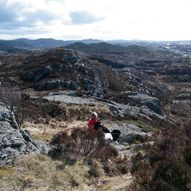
(38, 111)
(42, 125)
(41, 173)
(45, 132)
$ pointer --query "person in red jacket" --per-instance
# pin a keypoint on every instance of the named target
(94, 123)
(93, 120)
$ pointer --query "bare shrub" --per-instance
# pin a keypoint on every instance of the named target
(82, 143)
(92, 148)
(11, 97)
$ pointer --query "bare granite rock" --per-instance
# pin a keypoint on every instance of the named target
(15, 141)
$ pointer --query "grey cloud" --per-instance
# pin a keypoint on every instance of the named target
(16, 25)
(10, 14)
(83, 17)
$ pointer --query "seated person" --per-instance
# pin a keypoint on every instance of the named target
(93, 120)
(94, 123)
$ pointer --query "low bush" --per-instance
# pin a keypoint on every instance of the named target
(82, 143)
(166, 165)
(90, 146)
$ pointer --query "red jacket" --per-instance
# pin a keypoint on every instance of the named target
(91, 122)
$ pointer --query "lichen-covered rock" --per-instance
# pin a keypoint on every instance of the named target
(14, 141)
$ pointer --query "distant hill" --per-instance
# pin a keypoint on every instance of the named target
(7, 47)
(90, 46)
(23, 44)
(28, 44)
(104, 47)
(101, 47)
(86, 45)
(33, 44)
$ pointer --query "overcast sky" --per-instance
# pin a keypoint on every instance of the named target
(98, 19)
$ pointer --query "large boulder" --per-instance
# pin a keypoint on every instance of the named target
(154, 105)
(130, 133)
(14, 141)
(150, 102)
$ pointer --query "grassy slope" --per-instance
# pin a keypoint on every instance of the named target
(42, 173)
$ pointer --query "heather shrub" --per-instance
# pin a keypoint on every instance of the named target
(165, 166)
(82, 143)
(90, 146)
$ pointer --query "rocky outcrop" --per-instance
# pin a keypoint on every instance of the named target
(154, 105)
(64, 70)
(130, 133)
(132, 138)
(150, 102)
(38, 75)
(53, 84)
(134, 102)
(92, 88)
(71, 59)
(183, 96)
(117, 109)
(14, 141)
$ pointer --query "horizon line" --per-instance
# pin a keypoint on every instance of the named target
(50, 38)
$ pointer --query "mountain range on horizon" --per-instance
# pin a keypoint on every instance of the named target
(24, 43)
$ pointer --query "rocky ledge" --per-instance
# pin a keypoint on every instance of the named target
(150, 108)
